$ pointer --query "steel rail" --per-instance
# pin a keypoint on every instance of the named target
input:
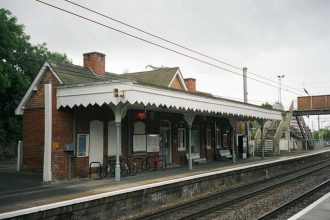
(294, 201)
(248, 191)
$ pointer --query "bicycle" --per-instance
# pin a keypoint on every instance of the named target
(156, 162)
(109, 166)
(128, 167)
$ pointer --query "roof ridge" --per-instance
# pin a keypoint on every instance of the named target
(67, 64)
(160, 69)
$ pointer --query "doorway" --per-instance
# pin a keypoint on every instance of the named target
(195, 141)
(165, 140)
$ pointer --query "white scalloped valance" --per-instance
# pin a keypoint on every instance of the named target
(133, 93)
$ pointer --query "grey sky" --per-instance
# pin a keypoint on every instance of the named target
(269, 37)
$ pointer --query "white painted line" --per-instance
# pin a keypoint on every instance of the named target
(310, 207)
(142, 187)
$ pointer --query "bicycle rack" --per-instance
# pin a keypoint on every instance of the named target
(90, 169)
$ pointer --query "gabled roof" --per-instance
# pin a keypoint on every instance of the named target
(158, 77)
(20, 108)
(152, 88)
(69, 74)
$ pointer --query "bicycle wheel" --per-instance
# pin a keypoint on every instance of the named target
(105, 170)
(151, 164)
(161, 165)
(123, 169)
(132, 169)
(144, 166)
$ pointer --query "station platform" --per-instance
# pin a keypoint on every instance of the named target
(37, 196)
(318, 210)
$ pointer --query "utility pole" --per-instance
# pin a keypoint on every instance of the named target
(245, 93)
(280, 88)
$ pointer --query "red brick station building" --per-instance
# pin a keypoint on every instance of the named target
(97, 114)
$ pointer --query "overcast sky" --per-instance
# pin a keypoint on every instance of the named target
(270, 38)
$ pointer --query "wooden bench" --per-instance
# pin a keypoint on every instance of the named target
(225, 153)
(196, 158)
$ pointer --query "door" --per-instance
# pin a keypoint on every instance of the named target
(165, 141)
(96, 142)
(195, 143)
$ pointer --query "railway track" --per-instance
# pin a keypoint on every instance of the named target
(292, 207)
(202, 207)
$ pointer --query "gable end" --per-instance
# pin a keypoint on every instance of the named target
(40, 76)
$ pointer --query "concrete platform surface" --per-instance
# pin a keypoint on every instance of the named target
(319, 210)
(20, 191)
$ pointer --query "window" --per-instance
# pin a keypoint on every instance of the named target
(181, 139)
(225, 140)
(83, 145)
(218, 137)
(139, 127)
(208, 138)
(139, 137)
(182, 136)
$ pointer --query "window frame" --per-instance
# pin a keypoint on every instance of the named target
(208, 137)
(87, 145)
(218, 137)
(184, 148)
(139, 133)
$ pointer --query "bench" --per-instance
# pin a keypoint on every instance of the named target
(225, 153)
(196, 158)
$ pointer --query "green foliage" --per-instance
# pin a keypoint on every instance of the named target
(266, 105)
(19, 64)
(325, 133)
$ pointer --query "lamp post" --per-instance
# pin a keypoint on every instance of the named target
(280, 88)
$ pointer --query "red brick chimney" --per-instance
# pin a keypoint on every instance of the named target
(191, 84)
(95, 61)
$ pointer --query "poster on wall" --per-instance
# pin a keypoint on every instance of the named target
(139, 143)
(153, 143)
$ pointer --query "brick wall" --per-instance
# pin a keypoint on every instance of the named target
(176, 84)
(191, 84)
(95, 61)
(83, 118)
(33, 139)
(313, 102)
(33, 131)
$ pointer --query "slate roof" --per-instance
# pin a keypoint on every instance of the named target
(158, 77)
(72, 74)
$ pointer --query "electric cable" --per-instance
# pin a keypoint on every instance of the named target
(176, 44)
(155, 44)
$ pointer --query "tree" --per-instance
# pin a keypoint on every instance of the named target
(266, 105)
(19, 64)
(323, 132)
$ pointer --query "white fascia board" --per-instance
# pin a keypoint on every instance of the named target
(181, 79)
(103, 93)
(20, 108)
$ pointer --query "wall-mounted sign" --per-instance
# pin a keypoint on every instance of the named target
(139, 143)
(56, 144)
(152, 142)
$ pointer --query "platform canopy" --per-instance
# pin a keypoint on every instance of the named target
(132, 93)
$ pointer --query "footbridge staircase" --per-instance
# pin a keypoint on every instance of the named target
(275, 130)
